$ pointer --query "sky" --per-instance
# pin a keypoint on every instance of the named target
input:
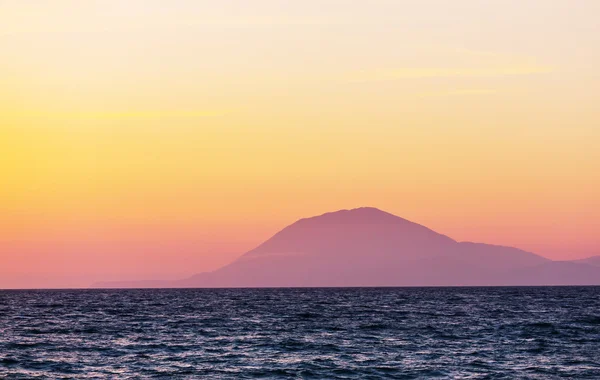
(157, 139)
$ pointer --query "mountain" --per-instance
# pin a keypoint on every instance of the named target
(594, 260)
(370, 247)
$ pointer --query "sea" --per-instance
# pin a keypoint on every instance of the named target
(302, 333)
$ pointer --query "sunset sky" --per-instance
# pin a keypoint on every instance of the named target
(157, 139)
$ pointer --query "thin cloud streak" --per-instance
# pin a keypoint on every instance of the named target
(458, 92)
(100, 115)
(446, 72)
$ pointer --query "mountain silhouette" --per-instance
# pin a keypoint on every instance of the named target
(370, 247)
(594, 260)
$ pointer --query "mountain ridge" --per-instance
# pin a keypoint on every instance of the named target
(592, 260)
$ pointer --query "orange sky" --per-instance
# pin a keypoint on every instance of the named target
(159, 139)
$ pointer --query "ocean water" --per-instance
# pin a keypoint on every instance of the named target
(353, 333)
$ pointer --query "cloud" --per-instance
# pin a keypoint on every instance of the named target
(457, 92)
(118, 115)
(447, 72)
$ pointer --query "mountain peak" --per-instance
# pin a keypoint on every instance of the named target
(360, 231)
(360, 215)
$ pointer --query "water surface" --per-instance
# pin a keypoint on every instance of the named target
(352, 333)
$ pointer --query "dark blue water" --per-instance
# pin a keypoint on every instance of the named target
(302, 333)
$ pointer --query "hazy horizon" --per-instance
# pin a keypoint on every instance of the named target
(343, 243)
(156, 140)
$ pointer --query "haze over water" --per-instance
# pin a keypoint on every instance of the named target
(351, 333)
